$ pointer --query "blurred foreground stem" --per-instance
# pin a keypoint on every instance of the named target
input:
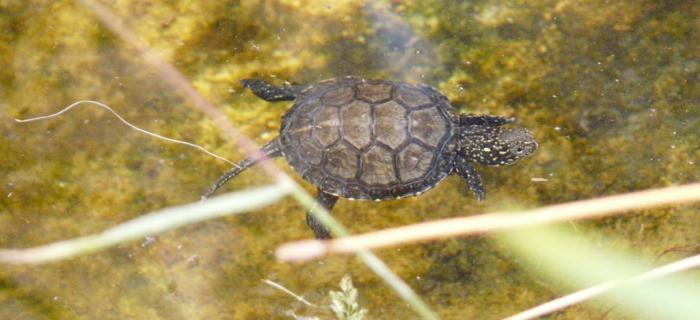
(625, 279)
(149, 224)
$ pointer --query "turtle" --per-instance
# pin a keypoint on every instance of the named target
(364, 139)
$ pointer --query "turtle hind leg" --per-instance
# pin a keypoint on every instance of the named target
(466, 170)
(271, 150)
(270, 92)
(328, 201)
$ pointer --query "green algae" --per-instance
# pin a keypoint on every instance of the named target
(611, 92)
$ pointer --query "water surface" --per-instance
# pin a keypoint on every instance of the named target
(609, 89)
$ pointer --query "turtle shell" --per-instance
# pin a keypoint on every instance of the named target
(370, 139)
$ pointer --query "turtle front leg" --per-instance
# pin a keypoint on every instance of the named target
(467, 171)
(270, 92)
(271, 149)
(327, 200)
(484, 120)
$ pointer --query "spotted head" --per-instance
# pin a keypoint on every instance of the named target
(495, 145)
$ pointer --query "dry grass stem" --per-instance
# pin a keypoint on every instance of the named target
(462, 226)
(289, 292)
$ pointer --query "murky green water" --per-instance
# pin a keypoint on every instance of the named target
(610, 88)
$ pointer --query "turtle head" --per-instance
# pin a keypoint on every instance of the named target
(495, 145)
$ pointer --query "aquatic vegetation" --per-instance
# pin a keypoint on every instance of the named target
(344, 302)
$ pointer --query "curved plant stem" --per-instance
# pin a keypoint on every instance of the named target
(127, 123)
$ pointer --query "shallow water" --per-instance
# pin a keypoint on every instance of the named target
(611, 92)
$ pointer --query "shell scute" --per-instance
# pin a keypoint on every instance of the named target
(373, 92)
(341, 161)
(312, 153)
(357, 123)
(339, 96)
(414, 161)
(378, 166)
(326, 126)
(390, 124)
(428, 125)
(411, 97)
